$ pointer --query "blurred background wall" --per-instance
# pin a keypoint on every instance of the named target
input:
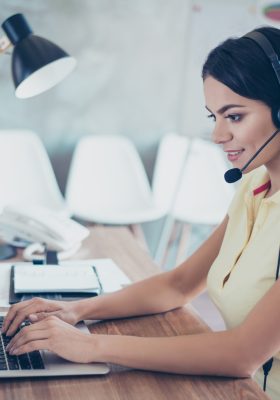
(138, 73)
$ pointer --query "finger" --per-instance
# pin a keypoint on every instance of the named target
(11, 314)
(26, 338)
(43, 315)
(34, 317)
(26, 331)
(38, 316)
(15, 324)
(32, 308)
(32, 346)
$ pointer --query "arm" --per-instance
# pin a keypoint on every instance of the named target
(161, 292)
(237, 352)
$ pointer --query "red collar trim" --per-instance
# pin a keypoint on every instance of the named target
(262, 188)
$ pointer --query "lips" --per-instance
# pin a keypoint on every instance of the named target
(233, 155)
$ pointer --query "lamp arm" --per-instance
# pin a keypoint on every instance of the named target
(4, 44)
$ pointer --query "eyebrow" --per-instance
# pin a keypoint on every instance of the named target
(225, 108)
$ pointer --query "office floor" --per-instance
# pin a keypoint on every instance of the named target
(203, 304)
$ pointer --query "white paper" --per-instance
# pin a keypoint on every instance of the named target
(111, 276)
(5, 272)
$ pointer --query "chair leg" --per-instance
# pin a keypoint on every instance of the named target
(163, 243)
(137, 231)
(182, 245)
(175, 232)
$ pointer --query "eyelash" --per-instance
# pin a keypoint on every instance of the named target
(232, 117)
(212, 116)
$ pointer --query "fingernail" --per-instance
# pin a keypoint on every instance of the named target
(33, 317)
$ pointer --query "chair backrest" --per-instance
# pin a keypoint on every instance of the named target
(188, 180)
(26, 174)
(170, 159)
(203, 196)
(106, 178)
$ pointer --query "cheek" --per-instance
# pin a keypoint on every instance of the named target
(254, 132)
(247, 136)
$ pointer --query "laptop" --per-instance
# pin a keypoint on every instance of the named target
(45, 363)
(42, 363)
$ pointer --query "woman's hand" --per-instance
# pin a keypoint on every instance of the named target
(38, 309)
(57, 336)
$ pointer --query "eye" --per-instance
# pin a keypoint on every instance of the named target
(234, 117)
(212, 116)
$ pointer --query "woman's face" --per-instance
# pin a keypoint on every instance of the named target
(241, 126)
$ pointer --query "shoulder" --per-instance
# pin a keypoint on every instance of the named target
(253, 180)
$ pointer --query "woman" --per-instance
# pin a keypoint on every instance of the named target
(237, 262)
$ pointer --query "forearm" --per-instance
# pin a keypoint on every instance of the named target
(204, 354)
(159, 293)
(152, 295)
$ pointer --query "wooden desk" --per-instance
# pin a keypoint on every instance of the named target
(123, 383)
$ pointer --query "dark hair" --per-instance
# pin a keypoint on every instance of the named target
(242, 65)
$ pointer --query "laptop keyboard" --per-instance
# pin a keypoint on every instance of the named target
(32, 360)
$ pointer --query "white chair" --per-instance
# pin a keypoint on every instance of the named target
(107, 183)
(171, 156)
(192, 186)
(26, 174)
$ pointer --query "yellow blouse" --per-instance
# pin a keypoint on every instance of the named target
(245, 268)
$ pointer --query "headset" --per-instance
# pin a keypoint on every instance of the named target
(261, 40)
(234, 174)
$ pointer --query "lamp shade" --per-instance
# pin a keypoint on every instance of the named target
(37, 63)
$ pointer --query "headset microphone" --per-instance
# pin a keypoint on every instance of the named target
(234, 174)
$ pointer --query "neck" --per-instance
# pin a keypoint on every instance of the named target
(274, 175)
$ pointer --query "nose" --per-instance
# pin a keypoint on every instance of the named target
(221, 133)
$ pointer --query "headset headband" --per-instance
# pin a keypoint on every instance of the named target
(267, 48)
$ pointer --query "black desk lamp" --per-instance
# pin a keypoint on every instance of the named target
(37, 63)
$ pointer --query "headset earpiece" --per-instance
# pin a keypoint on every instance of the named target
(275, 113)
